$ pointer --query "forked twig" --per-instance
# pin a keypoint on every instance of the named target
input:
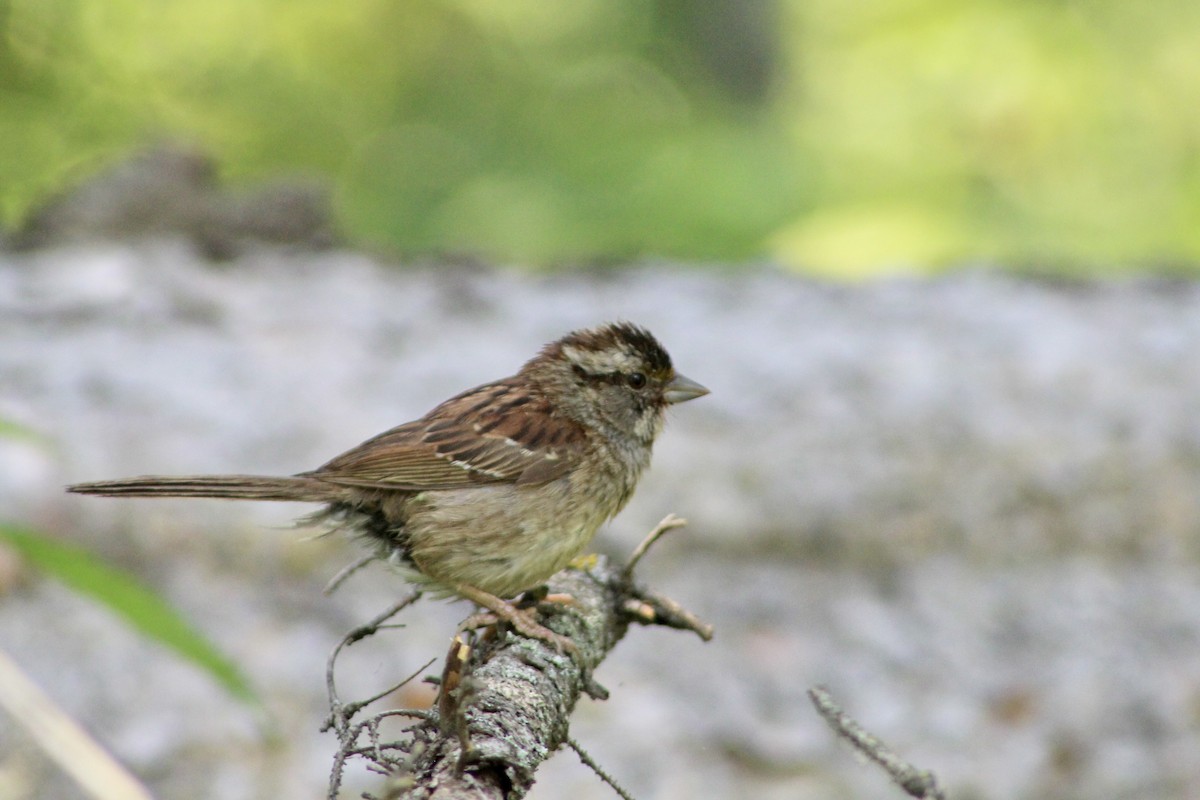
(341, 714)
(337, 719)
(651, 608)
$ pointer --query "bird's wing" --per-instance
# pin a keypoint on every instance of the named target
(495, 433)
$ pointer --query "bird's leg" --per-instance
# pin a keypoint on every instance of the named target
(524, 620)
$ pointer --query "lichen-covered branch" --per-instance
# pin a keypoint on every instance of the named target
(507, 699)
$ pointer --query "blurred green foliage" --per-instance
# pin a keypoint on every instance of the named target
(120, 592)
(844, 138)
(126, 597)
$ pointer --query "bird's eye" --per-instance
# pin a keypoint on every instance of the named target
(636, 380)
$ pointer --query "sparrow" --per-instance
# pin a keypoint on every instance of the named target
(496, 489)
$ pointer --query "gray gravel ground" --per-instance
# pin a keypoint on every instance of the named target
(968, 505)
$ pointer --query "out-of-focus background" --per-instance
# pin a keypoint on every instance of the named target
(842, 139)
(935, 260)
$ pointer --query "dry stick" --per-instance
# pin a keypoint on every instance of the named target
(64, 740)
(915, 782)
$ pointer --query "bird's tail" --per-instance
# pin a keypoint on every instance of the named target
(232, 487)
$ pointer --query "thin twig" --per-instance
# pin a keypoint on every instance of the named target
(345, 572)
(350, 709)
(339, 714)
(915, 782)
(362, 631)
(669, 523)
(596, 768)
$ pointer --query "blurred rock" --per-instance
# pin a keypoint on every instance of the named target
(170, 190)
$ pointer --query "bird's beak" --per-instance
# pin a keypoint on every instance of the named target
(681, 389)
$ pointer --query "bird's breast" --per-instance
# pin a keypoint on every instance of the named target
(502, 539)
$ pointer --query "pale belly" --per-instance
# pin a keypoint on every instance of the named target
(503, 540)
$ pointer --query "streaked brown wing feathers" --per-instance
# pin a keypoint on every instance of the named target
(492, 434)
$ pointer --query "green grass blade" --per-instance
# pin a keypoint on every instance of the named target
(131, 600)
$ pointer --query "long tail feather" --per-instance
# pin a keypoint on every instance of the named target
(233, 487)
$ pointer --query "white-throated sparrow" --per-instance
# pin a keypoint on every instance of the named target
(498, 488)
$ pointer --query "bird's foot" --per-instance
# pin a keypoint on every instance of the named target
(523, 620)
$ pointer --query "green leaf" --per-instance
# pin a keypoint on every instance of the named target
(128, 598)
